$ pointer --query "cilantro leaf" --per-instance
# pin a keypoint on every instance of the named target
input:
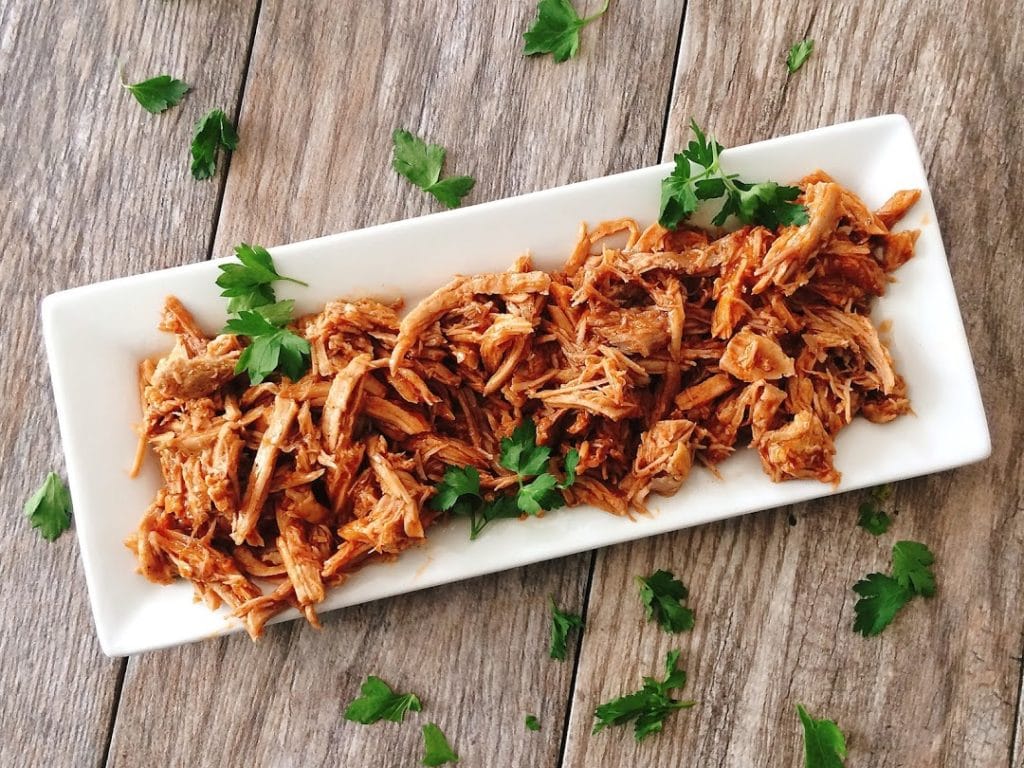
(561, 625)
(436, 750)
(158, 93)
(213, 132)
(910, 567)
(799, 53)
(272, 347)
(557, 29)
(824, 744)
(765, 203)
(881, 598)
(421, 164)
(661, 594)
(248, 283)
(379, 702)
(647, 707)
(49, 508)
(532, 723)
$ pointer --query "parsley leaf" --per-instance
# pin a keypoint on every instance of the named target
(532, 723)
(557, 29)
(436, 750)
(158, 93)
(649, 706)
(421, 163)
(881, 598)
(213, 132)
(765, 203)
(248, 284)
(272, 347)
(824, 744)
(49, 508)
(799, 53)
(379, 702)
(910, 567)
(873, 518)
(561, 625)
(537, 489)
(661, 594)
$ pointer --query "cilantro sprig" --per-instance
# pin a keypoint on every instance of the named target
(799, 53)
(661, 594)
(873, 518)
(248, 286)
(648, 707)
(824, 743)
(562, 624)
(49, 508)
(436, 749)
(214, 132)
(378, 702)
(532, 723)
(765, 203)
(536, 490)
(556, 29)
(157, 94)
(882, 596)
(421, 164)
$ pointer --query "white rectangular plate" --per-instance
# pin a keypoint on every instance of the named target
(95, 336)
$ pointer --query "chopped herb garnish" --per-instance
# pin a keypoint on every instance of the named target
(561, 625)
(882, 596)
(647, 707)
(799, 53)
(532, 723)
(158, 93)
(557, 29)
(272, 347)
(379, 702)
(248, 284)
(765, 203)
(436, 750)
(661, 594)
(49, 508)
(910, 567)
(421, 164)
(537, 489)
(873, 518)
(213, 132)
(824, 744)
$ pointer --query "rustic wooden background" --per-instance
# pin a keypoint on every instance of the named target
(92, 187)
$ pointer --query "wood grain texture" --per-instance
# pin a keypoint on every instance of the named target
(774, 608)
(91, 187)
(328, 84)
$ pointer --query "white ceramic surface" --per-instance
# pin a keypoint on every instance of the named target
(95, 336)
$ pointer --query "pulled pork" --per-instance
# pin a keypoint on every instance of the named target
(650, 351)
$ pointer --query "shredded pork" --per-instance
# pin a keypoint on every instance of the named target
(647, 356)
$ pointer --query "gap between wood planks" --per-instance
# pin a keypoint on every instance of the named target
(222, 186)
(571, 698)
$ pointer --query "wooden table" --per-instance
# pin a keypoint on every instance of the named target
(95, 188)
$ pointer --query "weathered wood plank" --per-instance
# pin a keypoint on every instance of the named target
(328, 84)
(92, 187)
(773, 600)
